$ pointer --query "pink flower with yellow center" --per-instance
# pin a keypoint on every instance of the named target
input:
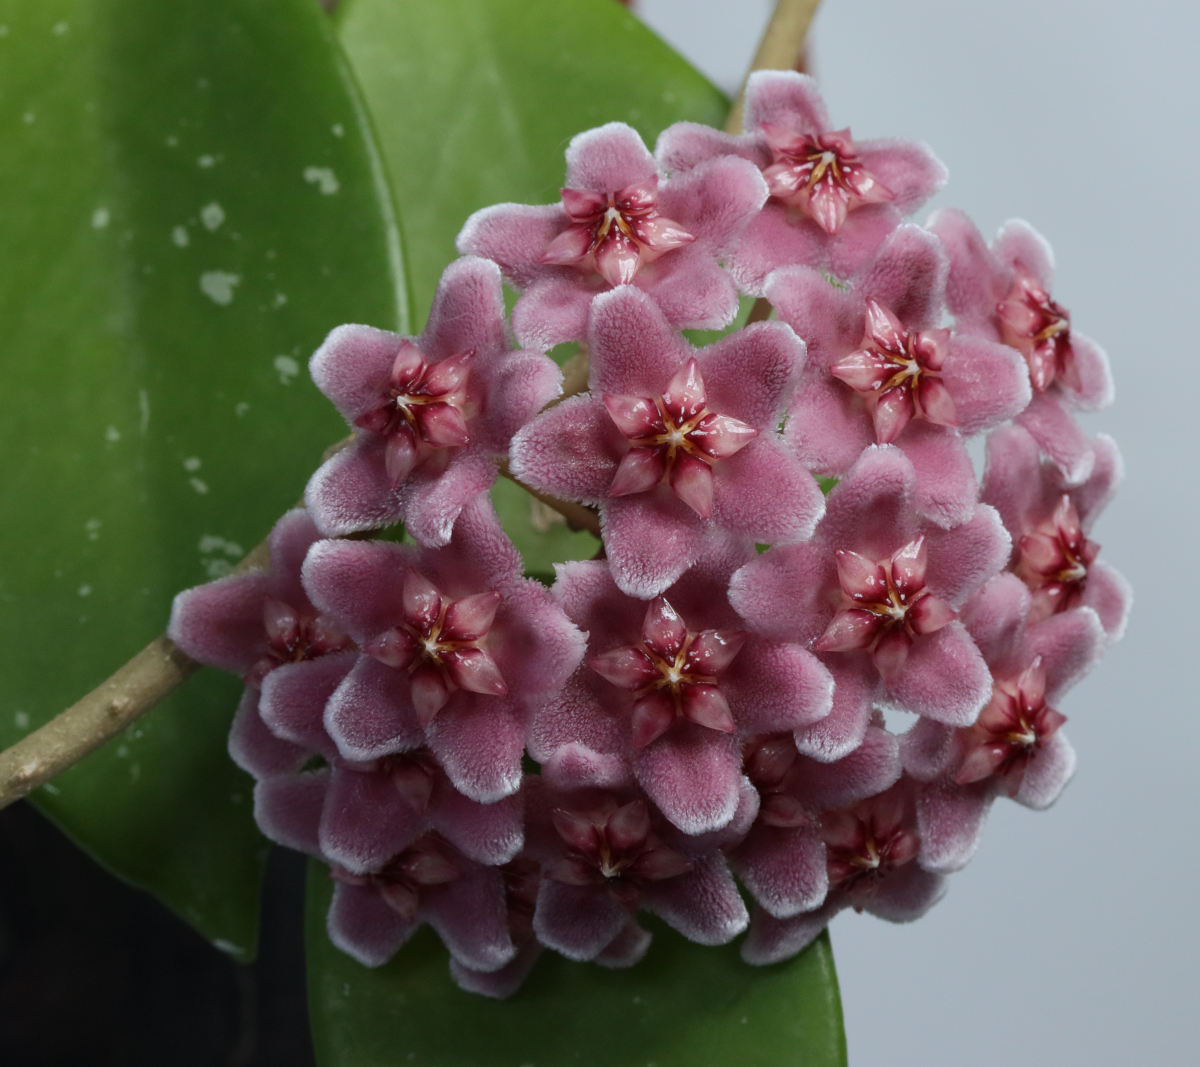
(868, 842)
(673, 673)
(615, 233)
(1054, 561)
(899, 374)
(1015, 725)
(820, 174)
(676, 439)
(886, 607)
(1040, 330)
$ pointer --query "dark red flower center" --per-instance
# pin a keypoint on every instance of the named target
(1041, 330)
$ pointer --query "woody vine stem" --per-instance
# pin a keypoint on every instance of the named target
(161, 667)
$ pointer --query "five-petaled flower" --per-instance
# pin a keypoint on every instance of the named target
(821, 174)
(616, 233)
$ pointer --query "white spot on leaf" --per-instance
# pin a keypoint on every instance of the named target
(198, 485)
(338, 130)
(218, 286)
(100, 218)
(144, 410)
(212, 215)
(323, 178)
(92, 526)
(205, 162)
(180, 236)
(112, 434)
(21, 718)
(60, 28)
(85, 590)
(191, 464)
(241, 408)
(287, 367)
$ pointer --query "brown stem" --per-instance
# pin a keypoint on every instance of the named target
(779, 49)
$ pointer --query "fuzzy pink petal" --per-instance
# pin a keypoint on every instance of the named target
(1019, 244)
(1069, 645)
(287, 809)
(255, 749)
(371, 713)
(908, 277)
(651, 539)
(944, 677)
(841, 731)
(827, 317)
(974, 285)
(363, 925)
(577, 921)
(751, 486)
(608, 158)
(626, 949)
(501, 984)
(906, 894)
(479, 741)
(828, 426)
(491, 834)
(786, 99)
(870, 510)
(520, 384)
(221, 623)
(692, 775)
(690, 289)
(432, 502)
(1047, 773)
(353, 366)
(685, 145)
(365, 821)
(1059, 436)
(907, 169)
(1012, 481)
(927, 750)
(870, 769)
(996, 617)
(962, 559)
(358, 585)
(950, 818)
(471, 918)
(294, 698)
(1094, 495)
(773, 940)
(467, 314)
(1110, 596)
(534, 644)
(989, 382)
(632, 349)
(583, 712)
(789, 593)
(774, 687)
(946, 489)
(703, 904)
(714, 201)
(570, 451)
(1091, 363)
(554, 308)
(514, 236)
(351, 490)
(752, 374)
(290, 539)
(784, 869)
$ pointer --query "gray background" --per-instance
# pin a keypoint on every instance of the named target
(1072, 936)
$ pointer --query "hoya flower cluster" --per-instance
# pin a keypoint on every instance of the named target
(690, 724)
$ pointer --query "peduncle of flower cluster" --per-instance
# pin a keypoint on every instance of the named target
(704, 703)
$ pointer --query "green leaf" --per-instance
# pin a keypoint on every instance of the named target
(474, 102)
(191, 201)
(684, 1005)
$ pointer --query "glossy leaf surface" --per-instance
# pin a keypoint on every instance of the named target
(190, 204)
(684, 1005)
(474, 102)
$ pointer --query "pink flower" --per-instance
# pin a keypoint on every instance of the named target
(782, 860)
(674, 443)
(373, 915)
(259, 625)
(617, 225)
(459, 650)
(883, 372)
(1016, 747)
(1003, 294)
(606, 853)
(872, 854)
(877, 580)
(432, 412)
(671, 687)
(832, 200)
(1049, 521)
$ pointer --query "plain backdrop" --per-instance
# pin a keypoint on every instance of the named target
(1072, 936)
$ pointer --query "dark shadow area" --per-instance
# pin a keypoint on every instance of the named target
(94, 973)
